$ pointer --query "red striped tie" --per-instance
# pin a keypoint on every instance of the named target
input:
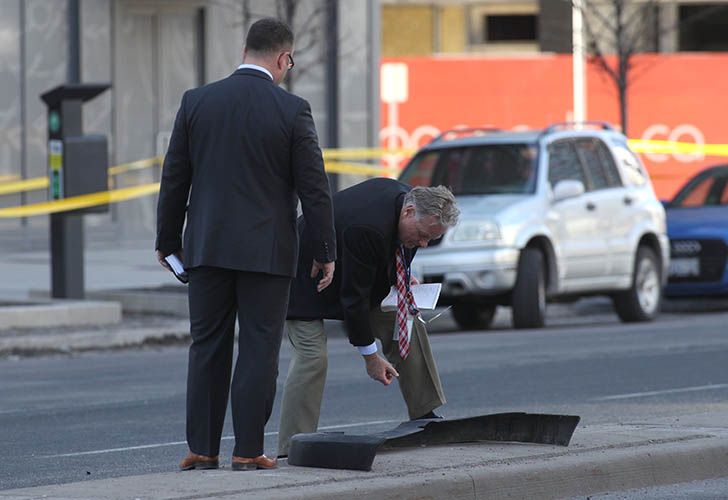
(404, 301)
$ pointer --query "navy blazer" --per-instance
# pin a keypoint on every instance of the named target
(367, 221)
(241, 151)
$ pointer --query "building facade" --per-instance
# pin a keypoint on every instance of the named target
(512, 27)
(151, 51)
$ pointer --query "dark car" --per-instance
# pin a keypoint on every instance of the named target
(697, 224)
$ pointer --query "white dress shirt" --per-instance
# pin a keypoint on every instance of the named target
(256, 67)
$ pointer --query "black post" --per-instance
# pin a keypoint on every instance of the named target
(332, 82)
(74, 42)
(67, 280)
(23, 111)
(201, 42)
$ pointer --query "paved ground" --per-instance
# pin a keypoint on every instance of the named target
(602, 457)
(91, 412)
(606, 456)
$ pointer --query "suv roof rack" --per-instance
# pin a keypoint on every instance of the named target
(468, 130)
(570, 125)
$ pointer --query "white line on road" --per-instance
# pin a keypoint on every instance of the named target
(666, 391)
(176, 443)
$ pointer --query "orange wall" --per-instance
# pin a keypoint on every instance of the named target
(676, 96)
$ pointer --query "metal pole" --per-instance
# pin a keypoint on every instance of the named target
(74, 42)
(374, 48)
(23, 111)
(332, 81)
(67, 279)
(579, 78)
(201, 49)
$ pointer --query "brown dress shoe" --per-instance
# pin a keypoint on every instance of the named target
(195, 461)
(261, 462)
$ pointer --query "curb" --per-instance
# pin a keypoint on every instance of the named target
(610, 459)
(585, 473)
(34, 344)
(59, 313)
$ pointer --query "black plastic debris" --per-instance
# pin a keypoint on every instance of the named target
(338, 450)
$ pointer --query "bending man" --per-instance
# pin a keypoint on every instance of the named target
(376, 222)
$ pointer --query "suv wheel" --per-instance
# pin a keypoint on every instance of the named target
(473, 316)
(529, 294)
(642, 301)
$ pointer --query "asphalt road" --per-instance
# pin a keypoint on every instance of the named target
(96, 415)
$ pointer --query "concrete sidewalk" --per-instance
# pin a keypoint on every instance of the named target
(601, 458)
(132, 331)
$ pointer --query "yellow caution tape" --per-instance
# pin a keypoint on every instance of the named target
(364, 153)
(668, 147)
(26, 185)
(77, 202)
(333, 165)
(340, 167)
(136, 165)
(37, 183)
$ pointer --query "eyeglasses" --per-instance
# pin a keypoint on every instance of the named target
(291, 64)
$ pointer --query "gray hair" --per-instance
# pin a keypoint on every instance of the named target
(438, 202)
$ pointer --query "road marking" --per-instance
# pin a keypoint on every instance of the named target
(657, 393)
(176, 443)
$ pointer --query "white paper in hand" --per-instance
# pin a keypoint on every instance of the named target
(425, 295)
(177, 267)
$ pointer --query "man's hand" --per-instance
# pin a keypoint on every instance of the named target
(161, 256)
(380, 369)
(414, 280)
(328, 273)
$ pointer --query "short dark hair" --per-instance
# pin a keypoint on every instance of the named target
(269, 35)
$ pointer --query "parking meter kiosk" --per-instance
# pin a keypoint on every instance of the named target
(77, 165)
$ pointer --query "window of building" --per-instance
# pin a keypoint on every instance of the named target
(510, 28)
(703, 27)
(504, 26)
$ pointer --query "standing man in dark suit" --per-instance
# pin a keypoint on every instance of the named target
(377, 221)
(241, 150)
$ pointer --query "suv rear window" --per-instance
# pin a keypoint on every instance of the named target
(487, 169)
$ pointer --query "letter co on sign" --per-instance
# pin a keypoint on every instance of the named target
(684, 132)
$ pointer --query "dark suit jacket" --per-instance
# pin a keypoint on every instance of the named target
(367, 219)
(241, 149)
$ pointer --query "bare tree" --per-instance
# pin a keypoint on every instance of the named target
(623, 28)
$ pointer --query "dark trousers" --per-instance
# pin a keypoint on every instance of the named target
(216, 297)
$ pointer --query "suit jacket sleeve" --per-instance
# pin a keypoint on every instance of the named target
(174, 188)
(312, 186)
(363, 252)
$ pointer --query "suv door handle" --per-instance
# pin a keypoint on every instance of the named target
(628, 200)
(591, 206)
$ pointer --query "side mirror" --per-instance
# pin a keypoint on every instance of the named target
(568, 189)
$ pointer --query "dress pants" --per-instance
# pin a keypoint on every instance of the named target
(418, 379)
(216, 297)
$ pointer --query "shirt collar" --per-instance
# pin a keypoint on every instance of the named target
(255, 66)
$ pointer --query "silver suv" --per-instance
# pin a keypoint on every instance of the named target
(555, 214)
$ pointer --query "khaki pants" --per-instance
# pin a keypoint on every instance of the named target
(418, 379)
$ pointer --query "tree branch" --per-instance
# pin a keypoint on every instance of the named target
(634, 36)
(597, 57)
(587, 11)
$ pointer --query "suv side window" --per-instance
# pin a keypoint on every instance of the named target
(633, 170)
(598, 162)
(609, 163)
(564, 163)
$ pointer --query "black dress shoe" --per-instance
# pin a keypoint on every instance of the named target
(428, 416)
